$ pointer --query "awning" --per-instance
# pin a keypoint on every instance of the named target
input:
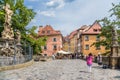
(63, 52)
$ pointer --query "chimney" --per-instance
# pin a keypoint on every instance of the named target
(40, 28)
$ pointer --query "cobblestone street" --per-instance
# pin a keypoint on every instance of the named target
(60, 70)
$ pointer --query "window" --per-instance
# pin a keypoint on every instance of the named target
(43, 32)
(98, 48)
(45, 54)
(54, 40)
(97, 38)
(87, 47)
(95, 30)
(86, 38)
(106, 48)
(45, 47)
(48, 31)
(54, 47)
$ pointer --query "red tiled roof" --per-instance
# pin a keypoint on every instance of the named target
(72, 34)
(83, 27)
(93, 29)
(48, 30)
(66, 38)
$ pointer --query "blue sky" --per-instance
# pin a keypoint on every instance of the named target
(68, 15)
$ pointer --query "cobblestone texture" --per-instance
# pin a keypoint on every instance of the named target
(60, 70)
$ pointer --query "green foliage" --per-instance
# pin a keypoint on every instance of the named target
(115, 12)
(34, 40)
(20, 19)
(108, 23)
(21, 14)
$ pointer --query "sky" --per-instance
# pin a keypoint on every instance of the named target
(68, 15)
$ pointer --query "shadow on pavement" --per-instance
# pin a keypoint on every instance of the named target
(97, 67)
(84, 71)
(117, 77)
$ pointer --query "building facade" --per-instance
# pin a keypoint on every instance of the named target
(73, 41)
(79, 35)
(70, 42)
(54, 41)
(66, 43)
(90, 36)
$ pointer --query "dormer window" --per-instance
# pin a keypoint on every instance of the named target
(95, 30)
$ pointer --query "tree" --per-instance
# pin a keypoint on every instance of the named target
(21, 15)
(34, 40)
(108, 23)
(20, 19)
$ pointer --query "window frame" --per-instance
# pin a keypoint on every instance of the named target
(87, 47)
(54, 40)
(55, 47)
(86, 38)
(45, 47)
(97, 38)
(98, 48)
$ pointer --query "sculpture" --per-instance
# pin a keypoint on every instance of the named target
(8, 13)
(8, 31)
(11, 51)
(18, 36)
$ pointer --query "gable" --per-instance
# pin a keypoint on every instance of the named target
(94, 29)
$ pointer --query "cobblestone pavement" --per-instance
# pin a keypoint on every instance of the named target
(60, 70)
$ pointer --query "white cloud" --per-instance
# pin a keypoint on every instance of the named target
(72, 14)
(47, 13)
(55, 4)
(50, 3)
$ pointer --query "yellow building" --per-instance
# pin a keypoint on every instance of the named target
(66, 43)
(88, 37)
(70, 42)
(73, 42)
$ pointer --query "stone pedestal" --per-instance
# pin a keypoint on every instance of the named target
(114, 62)
(106, 60)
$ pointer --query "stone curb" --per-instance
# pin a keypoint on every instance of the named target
(17, 66)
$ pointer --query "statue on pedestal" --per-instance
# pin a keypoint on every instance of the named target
(8, 31)
(9, 13)
(114, 50)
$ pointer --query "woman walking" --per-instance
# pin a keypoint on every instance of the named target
(89, 60)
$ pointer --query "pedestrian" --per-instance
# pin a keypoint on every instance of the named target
(99, 59)
(89, 60)
(53, 56)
